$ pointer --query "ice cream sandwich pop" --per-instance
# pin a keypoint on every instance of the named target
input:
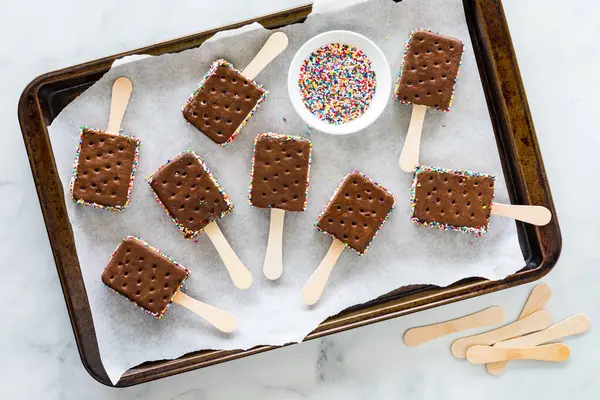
(195, 201)
(463, 201)
(152, 280)
(353, 216)
(279, 181)
(106, 161)
(427, 77)
(226, 98)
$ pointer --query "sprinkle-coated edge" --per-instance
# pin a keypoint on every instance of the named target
(397, 98)
(134, 165)
(189, 234)
(160, 314)
(337, 189)
(288, 138)
(478, 231)
(210, 72)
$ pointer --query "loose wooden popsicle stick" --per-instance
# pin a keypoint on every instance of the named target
(535, 215)
(313, 288)
(537, 321)
(220, 319)
(273, 266)
(121, 92)
(537, 300)
(241, 277)
(409, 157)
(276, 43)
(578, 323)
(556, 352)
(422, 334)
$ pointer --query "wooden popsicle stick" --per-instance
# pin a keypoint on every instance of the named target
(578, 323)
(241, 277)
(273, 266)
(313, 288)
(274, 45)
(537, 321)
(121, 92)
(422, 334)
(409, 157)
(535, 215)
(220, 319)
(556, 352)
(537, 300)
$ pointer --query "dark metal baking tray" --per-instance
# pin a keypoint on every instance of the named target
(48, 94)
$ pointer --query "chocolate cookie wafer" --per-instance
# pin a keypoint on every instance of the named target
(144, 275)
(429, 70)
(223, 102)
(452, 200)
(356, 212)
(104, 169)
(280, 172)
(189, 193)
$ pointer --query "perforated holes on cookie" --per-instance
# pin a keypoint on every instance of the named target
(96, 161)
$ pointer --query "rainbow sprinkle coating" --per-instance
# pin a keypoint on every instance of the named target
(210, 72)
(138, 239)
(397, 98)
(188, 234)
(478, 231)
(136, 157)
(337, 83)
(286, 137)
(337, 189)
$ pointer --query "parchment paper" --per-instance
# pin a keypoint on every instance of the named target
(272, 313)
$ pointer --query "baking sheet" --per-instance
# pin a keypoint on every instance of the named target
(272, 313)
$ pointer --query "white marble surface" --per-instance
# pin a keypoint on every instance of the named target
(38, 355)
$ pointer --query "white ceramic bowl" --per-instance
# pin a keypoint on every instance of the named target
(382, 76)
